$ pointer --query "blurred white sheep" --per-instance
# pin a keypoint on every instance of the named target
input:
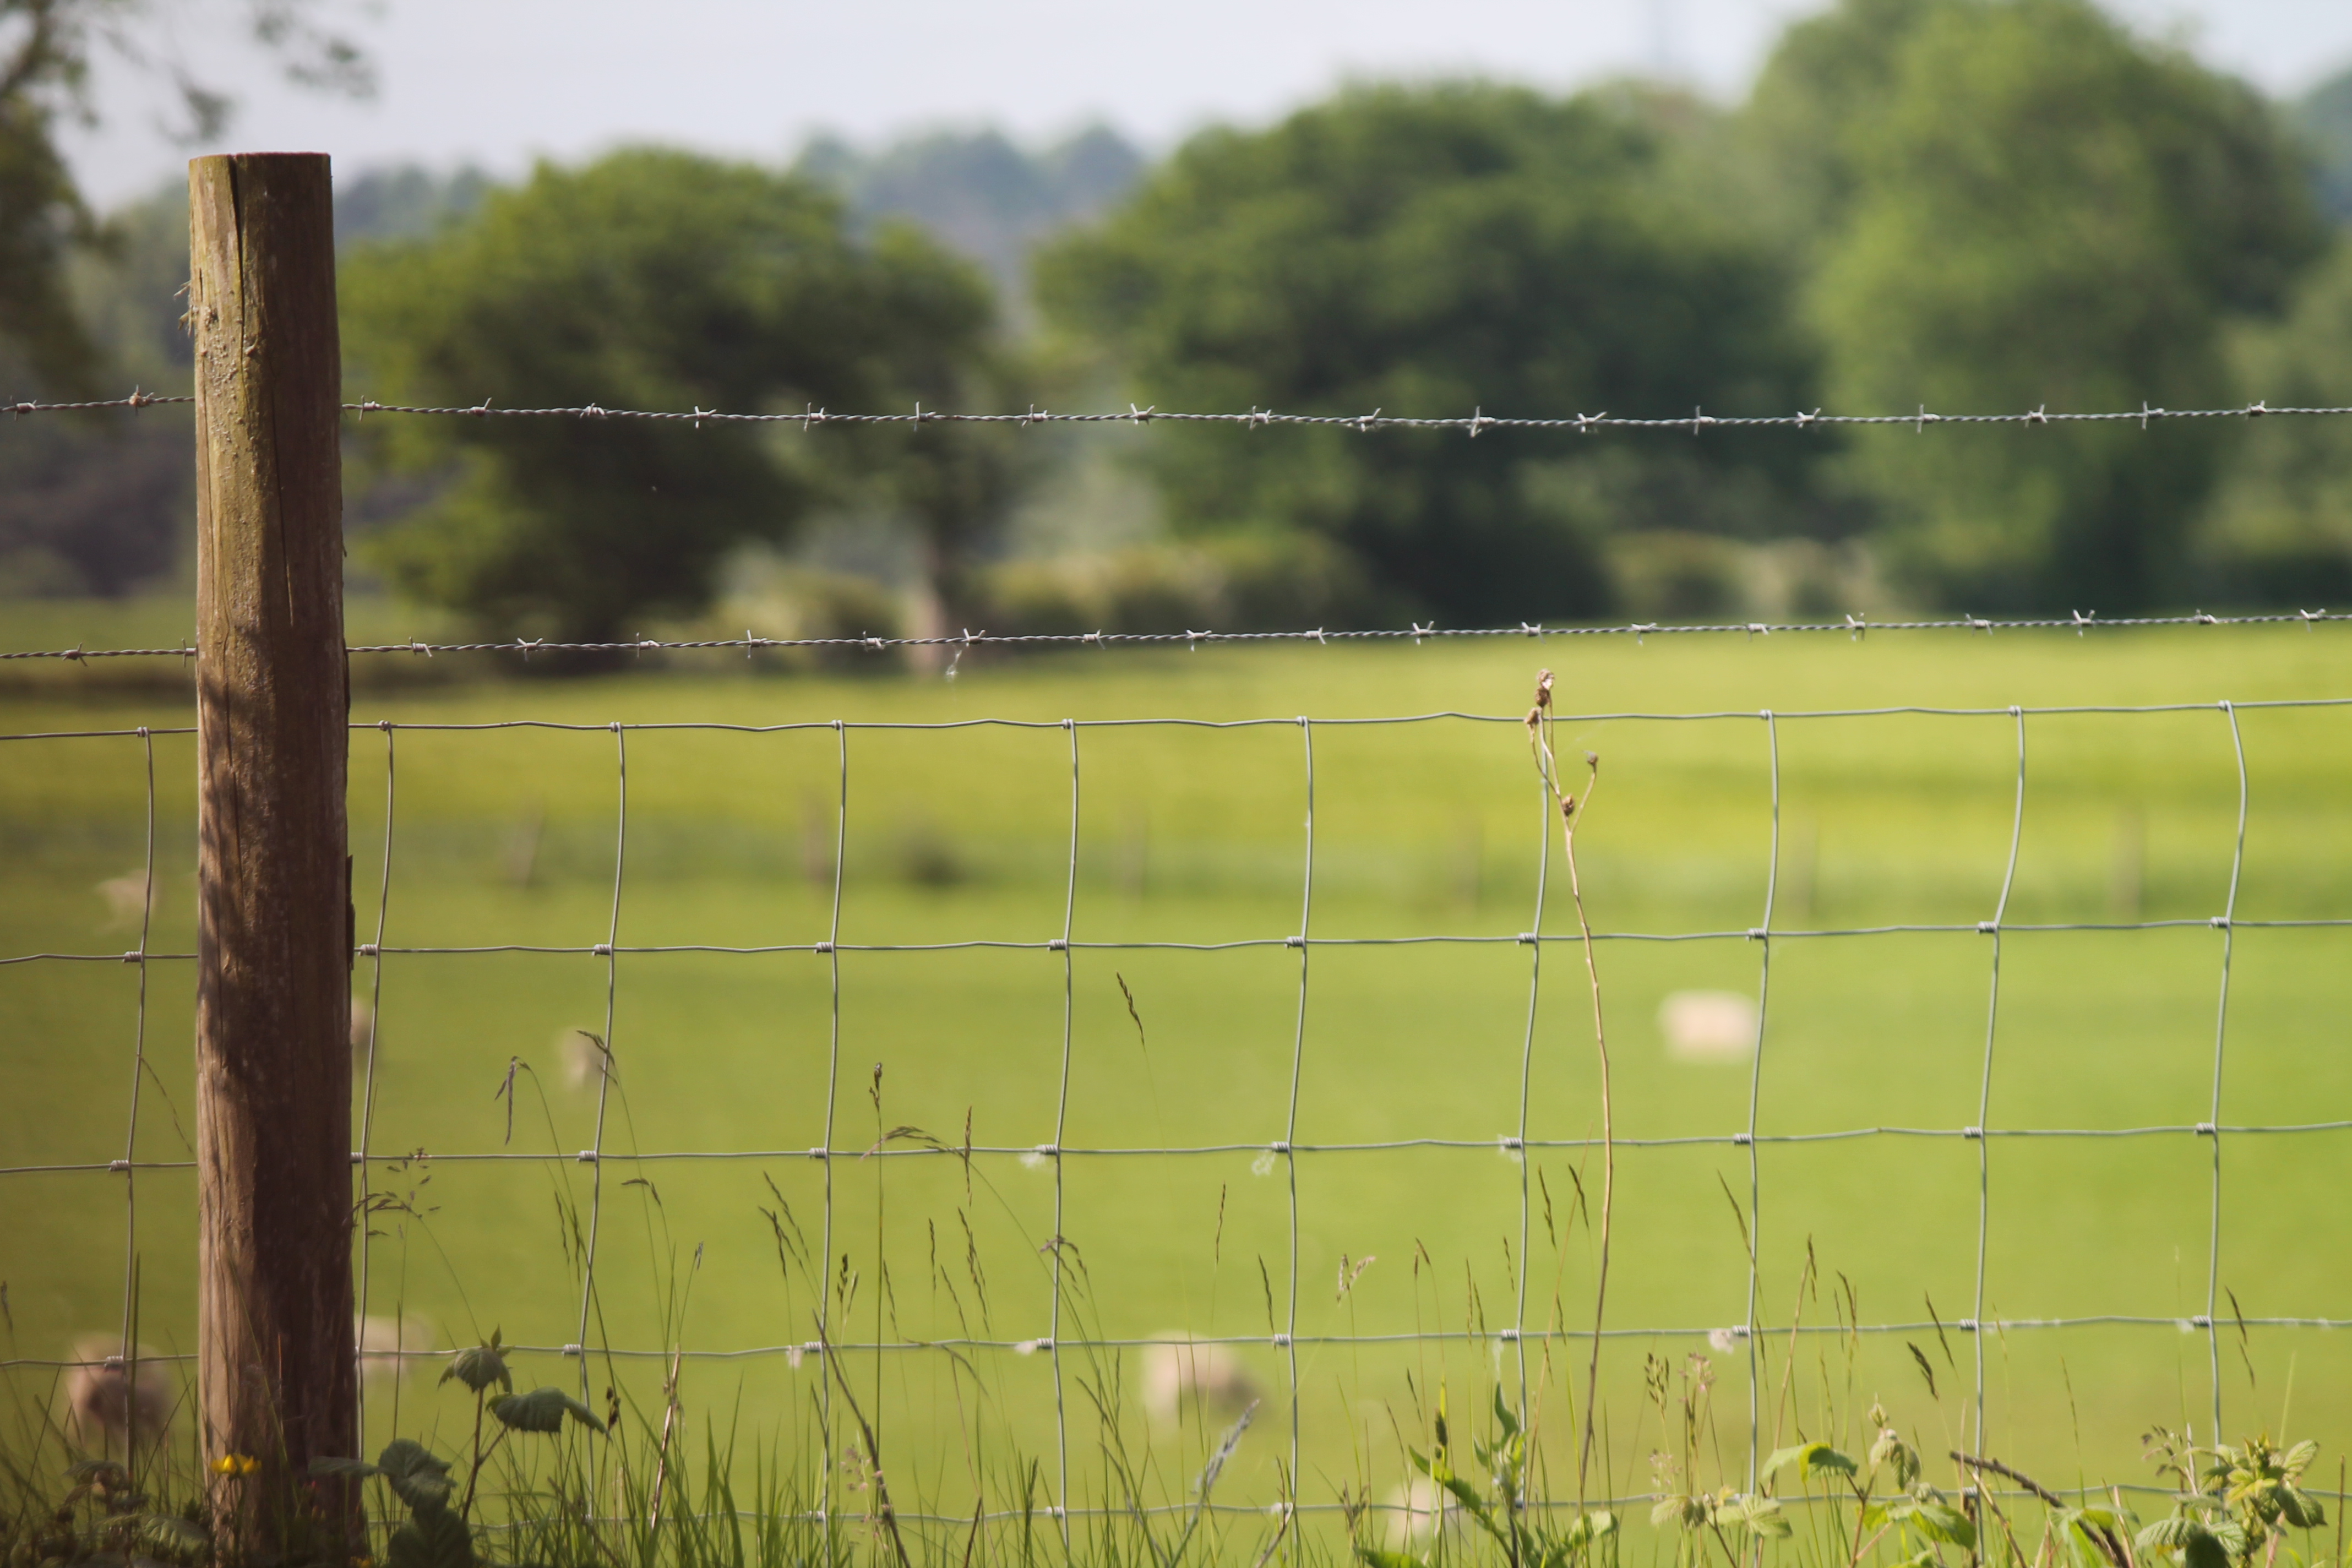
(384, 1340)
(1709, 1025)
(584, 1056)
(362, 1036)
(105, 1403)
(126, 898)
(1209, 1376)
(1415, 1510)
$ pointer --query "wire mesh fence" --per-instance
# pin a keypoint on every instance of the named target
(823, 1059)
(1341, 1034)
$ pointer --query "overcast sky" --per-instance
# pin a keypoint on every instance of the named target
(497, 82)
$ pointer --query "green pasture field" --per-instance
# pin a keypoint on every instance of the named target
(1190, 835)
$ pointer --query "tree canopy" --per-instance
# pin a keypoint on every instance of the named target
(2019, 205)
(655, 279)
(1430, 250)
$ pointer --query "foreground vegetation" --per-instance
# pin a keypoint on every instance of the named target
(484, 1092)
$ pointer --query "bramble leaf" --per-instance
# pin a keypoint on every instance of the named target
(478, 1366)
(432, 1538)
(357, 1469)
(1942, 1522)
(542, 1410)
(416, 1477)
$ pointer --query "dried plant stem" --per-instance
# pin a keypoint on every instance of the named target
(1540, 737)
(1570, 814)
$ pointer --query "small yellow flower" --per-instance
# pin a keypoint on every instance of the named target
(235, 1465)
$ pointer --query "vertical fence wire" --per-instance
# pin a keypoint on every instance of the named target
(2229, 923)
(367, 1110)
(127, 1349)
(1289, 1336)
(605, 1059)
(1984, 1088)
(1061, 1123)
(1526, 1066)
(831, 1105)
(1755, 1092)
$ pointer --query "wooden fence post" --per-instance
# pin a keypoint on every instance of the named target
(277, 1380)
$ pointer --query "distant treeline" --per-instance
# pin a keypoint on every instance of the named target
(1965, 205)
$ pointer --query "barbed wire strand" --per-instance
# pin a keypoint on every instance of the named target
(1854, 626)
(1474, 424)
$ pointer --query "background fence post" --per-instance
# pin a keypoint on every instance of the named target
(274, 939)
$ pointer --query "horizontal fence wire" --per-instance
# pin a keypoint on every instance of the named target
(611, 954)
(1852, 626)
(1474, 424)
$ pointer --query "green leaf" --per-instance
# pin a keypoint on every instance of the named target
(1813, 1459)
(1942, 1522)
(1503, 1416)
(2083, 1548)
(479, 1366)
(542, 1410)
(431, 1539)
(1467, 1493)
(1918, 1559)
(357, 1469)
(2300, 1509)
(1822, 1459)
(1676, 1509)
(1372, 1557)
(1762, 1516)
(416, 1476)
(2206, 1552)
(2169, 1534)
(2298, 1458)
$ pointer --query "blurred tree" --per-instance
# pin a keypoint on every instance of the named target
(46, 48)
(653, 280)
(1434, 250)
(978, 193)
(98, 503)
(2019, 205)
(2323, 116)
(2280, 531)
